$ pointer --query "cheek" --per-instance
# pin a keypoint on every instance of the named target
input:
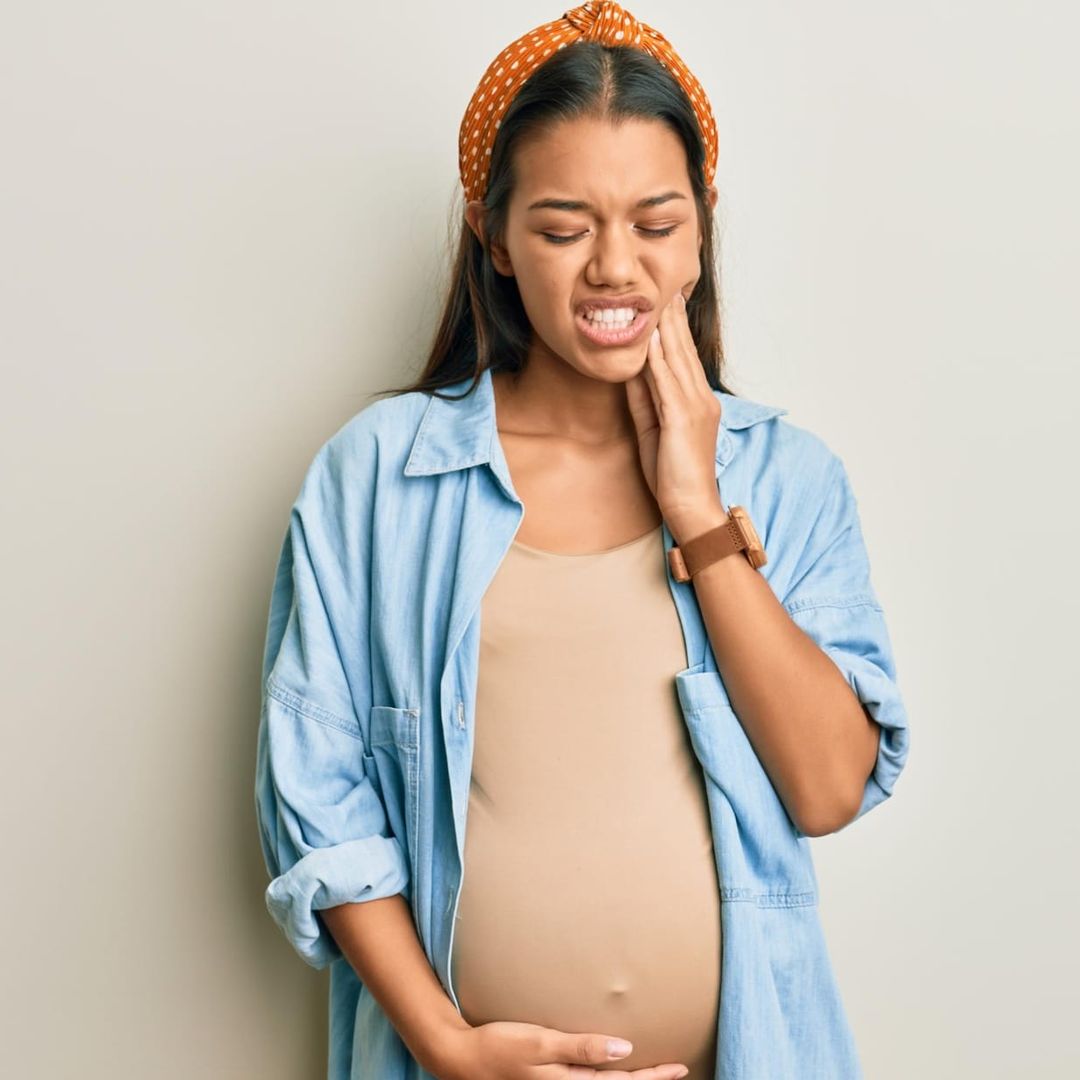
(677, 262)
(686, 269)
(690, 254)
(545, 286)
(544, 296)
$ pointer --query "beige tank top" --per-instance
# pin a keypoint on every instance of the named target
(589, 899)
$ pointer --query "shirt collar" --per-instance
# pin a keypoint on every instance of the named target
(459, 434)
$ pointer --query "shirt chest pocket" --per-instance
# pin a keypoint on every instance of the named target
(394, 761)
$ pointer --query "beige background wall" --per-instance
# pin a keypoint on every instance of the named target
(222, 228)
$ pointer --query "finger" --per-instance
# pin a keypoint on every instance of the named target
(680, 348)
(655, 1072)
(696, 381)
(682, 323)
(581, 1048)
(667, 393)
(579, 1051)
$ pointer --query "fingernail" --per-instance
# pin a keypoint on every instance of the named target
(655, 339)
(617, 1048)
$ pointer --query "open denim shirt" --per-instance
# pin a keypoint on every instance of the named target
(369, 688)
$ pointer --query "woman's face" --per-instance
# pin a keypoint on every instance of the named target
(608, 245)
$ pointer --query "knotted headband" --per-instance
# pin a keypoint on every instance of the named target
(594, 21)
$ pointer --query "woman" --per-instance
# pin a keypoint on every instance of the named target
(511, 596)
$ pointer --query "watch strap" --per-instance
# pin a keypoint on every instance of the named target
(718, 543)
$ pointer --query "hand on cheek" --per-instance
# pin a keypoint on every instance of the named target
(676, 419)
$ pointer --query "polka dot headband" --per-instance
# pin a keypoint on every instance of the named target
(594, 21)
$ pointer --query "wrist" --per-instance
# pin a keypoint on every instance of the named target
(443, 1054)
(448, 1057)
(688, 524)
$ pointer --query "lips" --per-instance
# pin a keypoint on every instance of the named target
(603, 336)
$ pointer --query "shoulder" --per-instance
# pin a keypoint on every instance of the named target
(366, 452)
(387, 425)
(771, 445)
(376, 436)
(799, 496)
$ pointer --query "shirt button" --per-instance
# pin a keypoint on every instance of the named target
(460, 713)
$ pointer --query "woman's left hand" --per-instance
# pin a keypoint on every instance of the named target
(677, 416)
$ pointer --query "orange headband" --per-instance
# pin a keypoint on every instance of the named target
(594, 21)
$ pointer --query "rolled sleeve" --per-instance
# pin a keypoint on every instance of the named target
(833, 601)
(322, 821)
(324, 828)
(855, 637)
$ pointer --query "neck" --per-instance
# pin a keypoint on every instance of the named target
(551, 397)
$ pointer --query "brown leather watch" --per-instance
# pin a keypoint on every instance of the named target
(736, 534)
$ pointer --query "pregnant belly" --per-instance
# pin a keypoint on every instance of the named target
(610, 928)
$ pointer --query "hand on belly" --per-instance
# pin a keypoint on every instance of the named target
(505, 1050)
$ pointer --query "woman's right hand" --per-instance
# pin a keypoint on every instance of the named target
(505, 1050)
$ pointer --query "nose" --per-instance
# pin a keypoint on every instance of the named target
(614, 258)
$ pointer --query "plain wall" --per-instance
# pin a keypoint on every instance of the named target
(224, 226)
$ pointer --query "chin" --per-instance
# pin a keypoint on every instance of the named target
(617, 369)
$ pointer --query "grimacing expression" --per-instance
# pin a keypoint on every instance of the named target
(611, 246)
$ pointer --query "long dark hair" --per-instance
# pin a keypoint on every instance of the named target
(484, 323)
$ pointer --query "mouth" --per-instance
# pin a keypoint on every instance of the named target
(621, 329)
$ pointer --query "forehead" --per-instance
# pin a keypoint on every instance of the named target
(603, 163)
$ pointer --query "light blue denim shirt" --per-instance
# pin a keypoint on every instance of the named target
(369, 684)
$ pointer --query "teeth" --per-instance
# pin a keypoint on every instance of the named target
(612, 315)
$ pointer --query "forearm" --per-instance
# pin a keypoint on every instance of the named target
(379, 940)
(808, 728)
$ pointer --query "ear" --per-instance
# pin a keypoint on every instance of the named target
(475, 215)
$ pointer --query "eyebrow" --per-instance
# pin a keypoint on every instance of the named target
(578, 204)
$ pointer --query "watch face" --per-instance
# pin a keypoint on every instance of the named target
(754, 551)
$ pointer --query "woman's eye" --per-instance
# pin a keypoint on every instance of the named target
(555, 239)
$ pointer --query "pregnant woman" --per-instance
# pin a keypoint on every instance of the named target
(571, 649)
